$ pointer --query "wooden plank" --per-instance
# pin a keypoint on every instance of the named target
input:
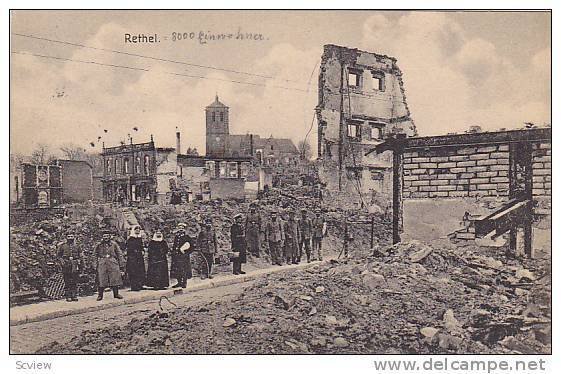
(502, 220)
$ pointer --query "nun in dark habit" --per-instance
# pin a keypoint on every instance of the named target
(135, 259)
(158, 277)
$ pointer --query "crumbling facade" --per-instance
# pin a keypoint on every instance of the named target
(361, 102)
(138, 172)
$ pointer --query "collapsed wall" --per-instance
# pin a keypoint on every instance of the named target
(361, 102)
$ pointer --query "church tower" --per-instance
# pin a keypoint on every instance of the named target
(217, 129)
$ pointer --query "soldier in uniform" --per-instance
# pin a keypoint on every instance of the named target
(183, 246)
(72, 263)
(305, 236)
(237, 233)
(253, 230)
(208, 245)
(109, 263)
(275, 236)
(292, 238)
(319, 228)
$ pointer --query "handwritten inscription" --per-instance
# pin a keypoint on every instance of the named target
(201, 37)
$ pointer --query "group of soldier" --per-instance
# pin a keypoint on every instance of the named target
(287, 239)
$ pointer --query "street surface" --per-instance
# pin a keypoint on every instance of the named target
(27, 338)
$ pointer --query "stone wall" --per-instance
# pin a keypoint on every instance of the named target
(468, 171)
(541, 166)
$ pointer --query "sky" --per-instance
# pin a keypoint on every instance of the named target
(490, 69)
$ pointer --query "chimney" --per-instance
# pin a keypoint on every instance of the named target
(251, 144)
(178, 142)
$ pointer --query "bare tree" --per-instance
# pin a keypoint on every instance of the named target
(73, 152)
(305, 149)
(41, 155)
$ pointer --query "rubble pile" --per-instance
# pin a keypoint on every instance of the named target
(407, 298)
(33, 251)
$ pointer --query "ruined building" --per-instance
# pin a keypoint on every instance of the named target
(361, 102)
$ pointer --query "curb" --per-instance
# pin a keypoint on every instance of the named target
(215, 283)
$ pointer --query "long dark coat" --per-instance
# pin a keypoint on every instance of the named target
(237, 233)
(108, 262)
(136, 269)
(181, 262)
(157, 275)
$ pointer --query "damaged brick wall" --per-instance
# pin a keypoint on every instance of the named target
(441, 183)
(361, 101)
(470, 171)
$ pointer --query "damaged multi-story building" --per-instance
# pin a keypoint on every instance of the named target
(361, 102)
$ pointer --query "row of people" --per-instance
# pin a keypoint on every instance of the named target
(287, 241)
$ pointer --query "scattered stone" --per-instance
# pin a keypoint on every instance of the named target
(229, 322)
(420, 255)
(319, 342)
(373, 281)
(449, 342)
(543, 334)
(283, 301)
(451, 323)
(429, 332)
(320, 289)
(525, 275)
(340, 342)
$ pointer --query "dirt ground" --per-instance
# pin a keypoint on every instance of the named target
(407, 298)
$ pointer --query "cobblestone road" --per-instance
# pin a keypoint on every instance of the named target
(29, 337)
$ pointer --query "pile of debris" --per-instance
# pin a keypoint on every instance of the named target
(33, 251)
(407, 298)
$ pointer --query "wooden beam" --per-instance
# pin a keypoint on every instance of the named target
(502, 220)
(396, 200)
(483, 138)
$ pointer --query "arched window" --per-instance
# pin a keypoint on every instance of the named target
(137, 165)
(108, 166)
(117, 166)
